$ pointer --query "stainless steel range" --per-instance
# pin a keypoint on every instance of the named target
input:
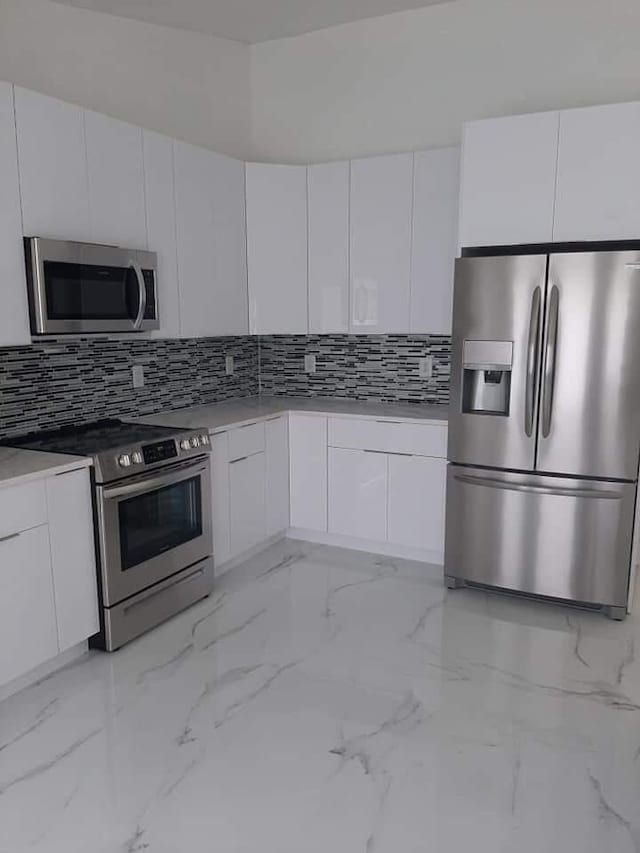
(153, 519)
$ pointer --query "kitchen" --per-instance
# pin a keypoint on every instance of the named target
(272, 589)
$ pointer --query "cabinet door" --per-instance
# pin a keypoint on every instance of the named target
(435, 236)
(308, 471)
(14, 316)
(161, 227)
(381, 211)
(598, 174)
(73, 557)
(328, 194)
(247, 502)
(358, 493)
(210, 219)
(508, 180)
(277, 475)
(27, 614)
(116, 181)
(53, 167)
(220, 498)
(277, 249)
(417, 502)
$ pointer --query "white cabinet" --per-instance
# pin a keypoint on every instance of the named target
(220, 499)
(597, 195)
(358, 493)
(247, 502)
(161, 227)
(27, 611)
(276, 475)
(434, 243)
(72, 557)
(328, 197)
(53, 167)
(508, 180)
(381, 212)
(277, 248)
(211, 242)
(416, 504)
(14, 317)
(308, 471)
(116, 181)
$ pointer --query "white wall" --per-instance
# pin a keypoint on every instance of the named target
(190, 86)
(407, 81)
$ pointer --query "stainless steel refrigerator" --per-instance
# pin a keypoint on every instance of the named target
(544, 432)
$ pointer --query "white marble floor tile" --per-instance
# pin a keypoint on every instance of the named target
(326, 700)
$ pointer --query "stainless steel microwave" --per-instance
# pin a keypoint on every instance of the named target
(78, 288)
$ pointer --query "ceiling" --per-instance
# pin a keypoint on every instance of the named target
(250, 21)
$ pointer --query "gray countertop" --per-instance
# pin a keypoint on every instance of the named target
(19, 466)
(216, 417)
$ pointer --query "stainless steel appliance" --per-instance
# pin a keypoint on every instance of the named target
(153, 519)
(78, 288)
(544, 433)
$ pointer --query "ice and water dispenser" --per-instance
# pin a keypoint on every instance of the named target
(486, 377)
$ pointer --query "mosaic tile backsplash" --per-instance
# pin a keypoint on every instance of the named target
(364, 367)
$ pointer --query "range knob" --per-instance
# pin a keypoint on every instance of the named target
(195, 441)
(124, 460)
(185, 444)
(137, 458)
(204, 440)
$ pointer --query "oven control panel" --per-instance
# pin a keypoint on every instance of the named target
(159, 452)
(163, 451)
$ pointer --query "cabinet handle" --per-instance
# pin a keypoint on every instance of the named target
(389, 452)
(241, 459)
(7, 538)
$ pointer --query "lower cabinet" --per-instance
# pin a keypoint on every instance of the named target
(416, 502)
(247, 502)
(276, 458)
(308, 471)
(358, 493)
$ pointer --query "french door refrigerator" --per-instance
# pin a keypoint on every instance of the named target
(544, 432)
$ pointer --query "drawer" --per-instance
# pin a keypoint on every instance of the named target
(22, 507)
(246, 440)
(389, 436)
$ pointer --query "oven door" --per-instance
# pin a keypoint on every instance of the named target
(152, 526)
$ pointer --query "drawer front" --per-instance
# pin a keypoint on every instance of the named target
(22, 507)
(246, 440)
(389, 436)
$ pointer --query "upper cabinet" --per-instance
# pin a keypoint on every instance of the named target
(53, 167)
(277, 248)
(328, 196)
(508, 180)
(211, 242)
(435, 234)
(381, 212)
(14, 320)
(598, 174)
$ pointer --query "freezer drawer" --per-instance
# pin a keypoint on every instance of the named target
(551, 536)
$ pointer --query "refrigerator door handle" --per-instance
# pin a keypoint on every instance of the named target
(532, 363)
(531, 488)
(549, 372)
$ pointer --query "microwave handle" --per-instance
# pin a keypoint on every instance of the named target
(142, 294)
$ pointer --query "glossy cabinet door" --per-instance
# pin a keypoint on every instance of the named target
(277, 475)
(277, 248)
(598, 174)
(381, 213)
(358, 493)
(210, 223)
(53, 167)
(161, 228)
(247, 502)
(14, 315)
(416, 503)
(28, 634)
(220, 499)
(308, 471)
(116, 181)
(508, 180)
(328, 194)
(434, 243)
(73, 557)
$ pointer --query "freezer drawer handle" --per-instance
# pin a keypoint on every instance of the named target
(532, 362)
(550, 362)
(495, 483)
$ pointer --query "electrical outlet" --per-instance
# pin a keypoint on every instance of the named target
(137, 374)
(229, 369)
(310, 363)
(425, 367)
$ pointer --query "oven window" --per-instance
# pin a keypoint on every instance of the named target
(155, 522)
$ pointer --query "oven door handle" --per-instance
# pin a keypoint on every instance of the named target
(142, 294)
(154, 481)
